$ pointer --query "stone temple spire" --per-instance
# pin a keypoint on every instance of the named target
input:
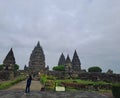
(37, 59)
(38, 44)
(68, 64)
(9, 59)
(76, 64)
(61, 60)
(68, 59)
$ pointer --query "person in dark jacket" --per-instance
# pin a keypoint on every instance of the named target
(27, 90)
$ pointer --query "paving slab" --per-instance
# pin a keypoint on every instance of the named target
(49, 94)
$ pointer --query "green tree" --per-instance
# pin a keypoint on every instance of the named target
(16, 67)
(94, 69)
(1, 67)
(59, 68)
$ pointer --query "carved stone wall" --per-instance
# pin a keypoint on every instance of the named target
(87, 76)
(7, 75)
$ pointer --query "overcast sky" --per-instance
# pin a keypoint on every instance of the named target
(92, 27)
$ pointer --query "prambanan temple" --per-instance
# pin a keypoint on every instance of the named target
(37, 60)
(74, 65)
(36, 66)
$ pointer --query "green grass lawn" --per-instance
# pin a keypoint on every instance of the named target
(81, 81)
(7, 84)
(50, 83)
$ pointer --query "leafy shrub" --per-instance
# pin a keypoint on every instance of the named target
(75, 85)
(43, 79)
(1, 67)
(116, 90)
(50, 85)
(59, 68)
(94, 69)
(16, 67)
(50, 77)
(48, 81)
(84, 85)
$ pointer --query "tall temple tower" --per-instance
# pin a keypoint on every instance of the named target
(76, 64)
(68, 64)
(61, 60)
(9, 61)
(37, 59)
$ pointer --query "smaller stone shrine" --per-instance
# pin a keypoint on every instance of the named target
(68, 65)
(8, 67)
(76, 64)
(61, 60)
(9, 61)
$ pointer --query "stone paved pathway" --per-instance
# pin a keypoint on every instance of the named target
(48, 94)
(35, 86)
(17, 91)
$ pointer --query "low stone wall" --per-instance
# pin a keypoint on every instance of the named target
(100, 76)
(59, 74)
(87, 76)
(6, 75)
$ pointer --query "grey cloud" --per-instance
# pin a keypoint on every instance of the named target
(90, 26)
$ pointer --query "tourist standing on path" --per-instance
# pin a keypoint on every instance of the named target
(27, 90)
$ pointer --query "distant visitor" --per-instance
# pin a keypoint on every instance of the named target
(27, 90)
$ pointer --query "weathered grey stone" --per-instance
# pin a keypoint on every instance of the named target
(61, 60)
(76, 64)
(9, 61)
(87, 76)
(68, 64)
(8, 71)
(37, 60)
